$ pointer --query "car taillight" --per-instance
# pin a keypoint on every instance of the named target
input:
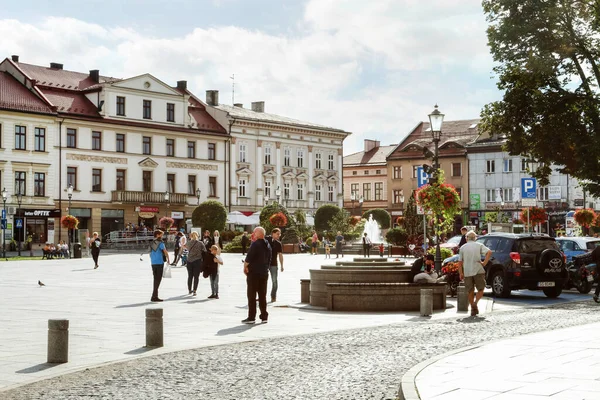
(516, 257)
(517, 273)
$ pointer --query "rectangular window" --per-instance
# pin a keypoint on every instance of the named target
(286, 191)
(366, 191)
(242, 187)
(397, 172)
(39, 184)
(378, 190)
(40, 139)
(300, 154)
(459, 191)
(330, 193)
(415, 170)
(300, 191)
(170, 147)
(147, 109)
(489, 195)
(191, 149)
(318, 161)
(212, 186)
(330, 162)
(121, 105)
(286, 157)
(398, 197)
(192, 185)
(268, 189)
(71, 138)
(242, 153)
(523, 164)
(377, 172)
(457, 169)
(543, 194)
(170, 112)
(354, 190)
(96, 141)
(96, 180)
(120, 179)
(212, 151)
(20, 182)
(72, 177)
(171, 183)
(354, 172)
(366, 172)
(508, 194)
(120, 143)
(20, 137)
(491, 166)
(147, 181)
(267, 155)
(147, 145)
(507, 165)
(318, 195)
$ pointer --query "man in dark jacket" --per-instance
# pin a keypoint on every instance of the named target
(463, 239)
(256, 269)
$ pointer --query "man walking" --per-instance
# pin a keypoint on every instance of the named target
(276, 252)
(158, 256)
(339, 241)
(256, 269)
(366, 245)
(471, 269)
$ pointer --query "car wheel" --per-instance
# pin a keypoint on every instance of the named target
(553, 292)
(584, 286)
(500, 285)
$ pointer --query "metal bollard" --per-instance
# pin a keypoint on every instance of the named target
(58, 341)
(426, 302)
(304, 290)
(462, 303)
(154, 327)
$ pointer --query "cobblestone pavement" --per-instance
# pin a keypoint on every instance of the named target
(365, 363)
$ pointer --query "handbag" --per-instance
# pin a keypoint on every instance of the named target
(167, 272)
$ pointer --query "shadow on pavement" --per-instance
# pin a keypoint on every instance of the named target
(85, 269)
(36, 368)
(197, 301)
(135, 305)
(140, 350)
(235, 329)
(471, 320)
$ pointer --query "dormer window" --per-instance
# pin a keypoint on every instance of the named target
(147, 109)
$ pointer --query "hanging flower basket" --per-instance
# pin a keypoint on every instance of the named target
(400, 220)
(354, 220)
(166, 223)
(278, 219)
(537, 215)
(443, 201)
(585, 217)
(69, 222)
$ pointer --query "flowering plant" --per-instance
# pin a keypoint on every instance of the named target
(166, 223)
(441, 199)
(451, 267)
(585, 217)
(400, 220)
(278, 219)
(69, 222)
(354, 220)
(537, 215)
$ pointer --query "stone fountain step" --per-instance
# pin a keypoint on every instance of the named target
(371, 259)
(366, 267)
(384, 264)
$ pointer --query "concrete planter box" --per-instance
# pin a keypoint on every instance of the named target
(290, 248)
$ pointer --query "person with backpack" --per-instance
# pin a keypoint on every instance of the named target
(158, 257)
(196, 250)
(95, 246)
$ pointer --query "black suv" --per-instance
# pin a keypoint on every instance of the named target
(524, 261)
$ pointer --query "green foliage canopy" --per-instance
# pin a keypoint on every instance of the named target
(396, 236)
(380, 215)
(210, 215)
(268, 211)
(324, 214)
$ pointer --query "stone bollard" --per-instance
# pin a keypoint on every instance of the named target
(304, 290)
(426, 302)
(58, 341)
(154, 327)
(462, 302)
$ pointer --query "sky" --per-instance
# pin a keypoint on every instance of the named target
(373, 68)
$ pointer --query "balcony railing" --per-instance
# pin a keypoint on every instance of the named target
(128, 196)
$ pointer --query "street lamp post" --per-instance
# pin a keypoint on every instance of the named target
(19, 201)
(167, 197)
(198, 192)
(436, 118)
(278, 193)
(4, 199)
(70, 195)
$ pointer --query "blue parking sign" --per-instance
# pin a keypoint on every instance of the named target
(528, 188)
(19, 223)
(3, 214)
(422, 177)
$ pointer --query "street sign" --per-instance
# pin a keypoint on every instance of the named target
(422, 177)
(19, 223)
(420, 210)
(3, 223)
(528, 188)
(3, 214)
(528, 202)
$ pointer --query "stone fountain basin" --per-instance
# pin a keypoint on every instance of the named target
(389, 264)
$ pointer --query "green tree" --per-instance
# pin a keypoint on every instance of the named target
(339, 222)
(547, 55)
(380, 215)
(268, 211)
(210, 215)
(413, 222)
(396, 236)
(324, 214)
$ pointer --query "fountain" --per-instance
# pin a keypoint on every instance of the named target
(372, 230)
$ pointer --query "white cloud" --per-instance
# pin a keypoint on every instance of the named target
(372, 68)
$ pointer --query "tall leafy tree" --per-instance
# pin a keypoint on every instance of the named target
(413, 222)
(548, 54)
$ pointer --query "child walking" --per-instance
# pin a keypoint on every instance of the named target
(214, 275)
(381, 249)
(327, 248)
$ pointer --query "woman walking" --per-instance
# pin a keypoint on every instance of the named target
(196, 250)
(95, 246)
(315, 243)
(214, 273)
(218, 241)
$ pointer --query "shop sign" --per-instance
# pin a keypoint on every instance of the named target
(149, 209)
(41, 213)
(177, 214)
(475, 200)
(146, 215)
(554, 193)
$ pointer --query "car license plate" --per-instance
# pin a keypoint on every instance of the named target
(590, 278)
(545, 284)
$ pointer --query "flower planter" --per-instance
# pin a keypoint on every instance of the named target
(290, 248)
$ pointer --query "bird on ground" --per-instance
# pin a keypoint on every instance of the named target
(40, 283)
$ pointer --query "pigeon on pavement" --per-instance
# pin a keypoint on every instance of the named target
(40, 283)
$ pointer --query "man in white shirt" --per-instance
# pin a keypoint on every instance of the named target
(471, 269)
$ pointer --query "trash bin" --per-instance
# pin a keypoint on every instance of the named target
(76, 250)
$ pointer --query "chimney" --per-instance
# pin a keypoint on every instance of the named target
(182, 85)
(258, 106)
(15, 58)
(240, 105)
(371, 144)
(56, 66)
(212, 97)
(95, 75)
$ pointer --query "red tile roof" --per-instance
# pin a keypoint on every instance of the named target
(15, 96)
(71, 102)
(60, 78)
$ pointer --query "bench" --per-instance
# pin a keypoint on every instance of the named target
(382, 296)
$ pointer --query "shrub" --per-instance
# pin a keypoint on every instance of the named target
(444, 251)
(290, 236)
(309, 242)
(235, 246)
(210, 215)
(382, 217)
(397, 236)
(228, 236)
(325, 214)
(268, 211)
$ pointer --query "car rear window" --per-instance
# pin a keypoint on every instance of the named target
(592, 245)
(536, 245)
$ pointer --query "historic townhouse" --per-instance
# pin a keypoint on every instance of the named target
(366, 178)
(279, 158)
(417, 149)
(133, 149)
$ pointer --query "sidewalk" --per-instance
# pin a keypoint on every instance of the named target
(561, 364)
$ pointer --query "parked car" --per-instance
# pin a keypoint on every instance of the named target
(452, 243)
(574, 246)
(524, 261)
